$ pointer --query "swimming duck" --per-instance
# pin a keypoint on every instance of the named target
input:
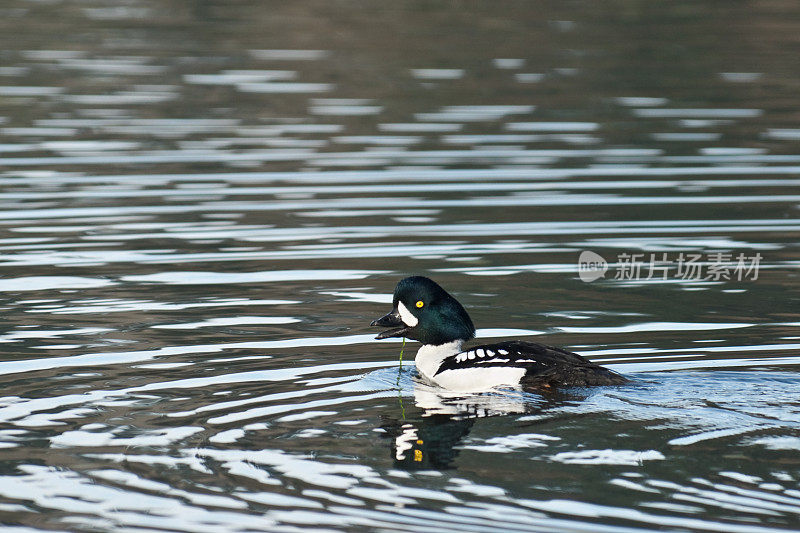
(425, 312)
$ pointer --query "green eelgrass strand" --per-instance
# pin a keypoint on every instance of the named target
(399, 372)
(400, 368)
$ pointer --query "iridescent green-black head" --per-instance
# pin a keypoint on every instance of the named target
(425, 312)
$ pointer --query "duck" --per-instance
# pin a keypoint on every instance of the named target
(423, 311)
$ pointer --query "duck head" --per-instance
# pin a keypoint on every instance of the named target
(425, 312)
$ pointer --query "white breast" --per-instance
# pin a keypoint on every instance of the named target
(429, 357)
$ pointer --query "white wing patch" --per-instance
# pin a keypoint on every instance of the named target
(489, 360)
(406, 316)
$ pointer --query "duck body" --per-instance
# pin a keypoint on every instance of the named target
(423, 311)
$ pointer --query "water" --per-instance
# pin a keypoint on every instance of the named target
(204, 204)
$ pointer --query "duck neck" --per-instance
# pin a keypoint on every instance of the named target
(429, 357)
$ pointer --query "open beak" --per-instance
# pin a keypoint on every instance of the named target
(391, 320)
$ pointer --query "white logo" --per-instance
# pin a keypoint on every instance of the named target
(591, 266)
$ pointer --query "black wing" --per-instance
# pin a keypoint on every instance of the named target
(543, 364)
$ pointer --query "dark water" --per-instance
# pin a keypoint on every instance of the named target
(205, 203)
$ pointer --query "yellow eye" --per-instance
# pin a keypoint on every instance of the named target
(420, 303)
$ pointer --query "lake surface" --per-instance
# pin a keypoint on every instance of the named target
(205, 203)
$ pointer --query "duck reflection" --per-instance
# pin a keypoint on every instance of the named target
(427, 437)
(428, 443)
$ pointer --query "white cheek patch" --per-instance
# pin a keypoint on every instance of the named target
(406, 316)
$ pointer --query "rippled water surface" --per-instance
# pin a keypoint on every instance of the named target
(205, 203)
